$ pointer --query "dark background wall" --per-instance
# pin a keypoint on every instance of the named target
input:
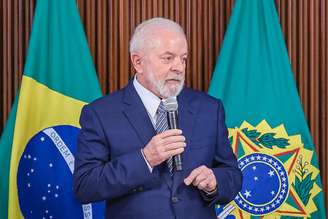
(109, 23)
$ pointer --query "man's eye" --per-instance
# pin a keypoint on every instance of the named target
(167, 58)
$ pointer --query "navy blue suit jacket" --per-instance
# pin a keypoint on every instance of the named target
(109, 164)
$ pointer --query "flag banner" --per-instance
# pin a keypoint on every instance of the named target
(39, 141)
(267, 127)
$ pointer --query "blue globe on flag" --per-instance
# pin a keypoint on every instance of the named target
(44, 177)
(265, 185)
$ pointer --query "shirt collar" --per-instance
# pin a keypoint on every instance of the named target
(148, 98)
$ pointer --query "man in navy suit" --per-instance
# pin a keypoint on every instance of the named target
(123, 158)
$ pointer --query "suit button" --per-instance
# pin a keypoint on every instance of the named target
(174, 199)
(140, 189)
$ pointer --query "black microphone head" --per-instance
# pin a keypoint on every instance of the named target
(170, 104)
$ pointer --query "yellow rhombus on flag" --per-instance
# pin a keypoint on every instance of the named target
(39, 141)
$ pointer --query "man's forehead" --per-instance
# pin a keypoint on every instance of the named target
(161, 48)
(164, 40)
(169, 39)
(173, 53)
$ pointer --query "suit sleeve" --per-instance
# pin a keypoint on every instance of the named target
(225, 168)
(98, 177)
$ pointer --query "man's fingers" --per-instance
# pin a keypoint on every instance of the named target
(192, 176)
(203, 178)
(170, 132)
(211, 184)
(175, 145)
(173, 152)
(198, 175)
(203, 184)
(206, 183)
(199, 178)
(173, 139)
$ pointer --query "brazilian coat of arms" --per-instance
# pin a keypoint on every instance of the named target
(279, 179)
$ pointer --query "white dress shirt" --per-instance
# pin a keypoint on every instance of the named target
(149, 100)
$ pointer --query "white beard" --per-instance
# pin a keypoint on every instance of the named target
(166, 91)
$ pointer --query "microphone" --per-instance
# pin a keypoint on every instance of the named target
(171, 107)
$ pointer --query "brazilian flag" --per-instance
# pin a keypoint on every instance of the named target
(267, 128)
(39, 141)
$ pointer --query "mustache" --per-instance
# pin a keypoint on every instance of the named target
(176, 78)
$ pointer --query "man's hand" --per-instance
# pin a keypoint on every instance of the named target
(164, 145)
(203, 178)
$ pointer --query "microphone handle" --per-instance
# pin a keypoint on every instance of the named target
(172, 117)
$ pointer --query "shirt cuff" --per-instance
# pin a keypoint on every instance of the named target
(149, 167)
(209, 196)
(211, 192)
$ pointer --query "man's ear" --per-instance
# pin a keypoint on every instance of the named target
(136, 60)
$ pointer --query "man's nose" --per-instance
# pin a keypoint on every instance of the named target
(179, 66)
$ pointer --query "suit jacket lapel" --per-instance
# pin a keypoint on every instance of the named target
(137, 115)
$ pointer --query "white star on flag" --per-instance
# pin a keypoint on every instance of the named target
(247, 194)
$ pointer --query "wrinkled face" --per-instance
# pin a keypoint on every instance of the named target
(162, 66)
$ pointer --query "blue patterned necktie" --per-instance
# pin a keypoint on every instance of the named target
(161, 126)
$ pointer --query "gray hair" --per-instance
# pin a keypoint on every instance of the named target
(145, 29)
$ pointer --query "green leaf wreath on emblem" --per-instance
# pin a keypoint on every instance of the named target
(303, 182)
(267, 139)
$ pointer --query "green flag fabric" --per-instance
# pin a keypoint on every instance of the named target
(5, 153)
(267, 128)
(39, 141)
